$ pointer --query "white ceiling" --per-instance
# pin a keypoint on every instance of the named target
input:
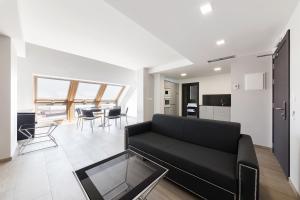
(159, 34)
(10, 24)
(248, 27)
(193, 71)
(9, 19)
(95, 30)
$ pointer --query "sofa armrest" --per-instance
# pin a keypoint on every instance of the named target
(246, 152)
(247, 169)
(136, 129)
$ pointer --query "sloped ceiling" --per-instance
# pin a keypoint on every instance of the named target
(161, 35)
(248, 27)
(95, 30)
(10, 24)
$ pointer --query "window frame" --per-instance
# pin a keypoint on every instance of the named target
(118, 95)
(77, 100)
(45, 100)
(71, 100)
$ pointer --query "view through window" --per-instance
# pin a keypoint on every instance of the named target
(52, 89)
(87, 91)
(57, 98)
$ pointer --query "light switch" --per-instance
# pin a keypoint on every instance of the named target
(236, 86)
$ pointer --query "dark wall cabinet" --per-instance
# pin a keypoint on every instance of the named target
(216, 100)
(29, 120)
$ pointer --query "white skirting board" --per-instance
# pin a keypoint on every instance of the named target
(294, 189)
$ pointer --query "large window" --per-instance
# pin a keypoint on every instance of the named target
(111, 93)
(52, 89)
(87, 91)
(58, 98)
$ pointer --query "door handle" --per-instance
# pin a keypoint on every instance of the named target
(284, 110)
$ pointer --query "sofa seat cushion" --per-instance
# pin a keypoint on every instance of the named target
(212, 165)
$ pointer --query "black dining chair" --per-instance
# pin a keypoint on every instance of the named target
(98, 113)
(79, 116)
(115, 114)
(88, 115)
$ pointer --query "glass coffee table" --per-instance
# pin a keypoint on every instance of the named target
(125, 176)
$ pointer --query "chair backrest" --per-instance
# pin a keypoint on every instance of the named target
(126, 110)
(78, 111)
(87, 113)
(114, 112)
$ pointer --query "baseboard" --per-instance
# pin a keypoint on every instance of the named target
(5, 160)
(263, 147)
(11, 157)
(294, 189)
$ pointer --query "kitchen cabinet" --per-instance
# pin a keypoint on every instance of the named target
(170, 98)
(221, 113)
(171, 110)
(206, 112)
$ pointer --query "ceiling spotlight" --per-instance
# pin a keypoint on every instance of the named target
(220, 42)
(217, 69)
(183, 74)
(206, 9)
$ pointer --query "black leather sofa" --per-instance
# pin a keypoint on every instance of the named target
(209, 158)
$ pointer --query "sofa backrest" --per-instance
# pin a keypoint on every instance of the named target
(168, 125)
(219, 135)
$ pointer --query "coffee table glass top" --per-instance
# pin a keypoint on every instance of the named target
(124, 176)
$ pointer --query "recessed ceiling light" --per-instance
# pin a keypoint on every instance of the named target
(220, 42)
(183, 74)
(206, 8)
(217, 69)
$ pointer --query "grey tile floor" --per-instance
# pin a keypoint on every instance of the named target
(47, 174)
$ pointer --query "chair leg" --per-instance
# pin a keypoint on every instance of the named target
(109, 125)
(116, 122)
(92, 125)
(120, 123)
(81, 125)
(126, 120)
(103, 123)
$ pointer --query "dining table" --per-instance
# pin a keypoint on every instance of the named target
(105, 110)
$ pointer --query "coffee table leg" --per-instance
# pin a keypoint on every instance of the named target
(144, 196)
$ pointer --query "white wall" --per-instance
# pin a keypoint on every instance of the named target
(253, 109)
(130, 102)
(294, 26)
(145, 95)
(148, 95)
(8, 115)
(140, 96)
(14, 97)
(159, 82)
(128, 99)
(217, 84)
(44, 61)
